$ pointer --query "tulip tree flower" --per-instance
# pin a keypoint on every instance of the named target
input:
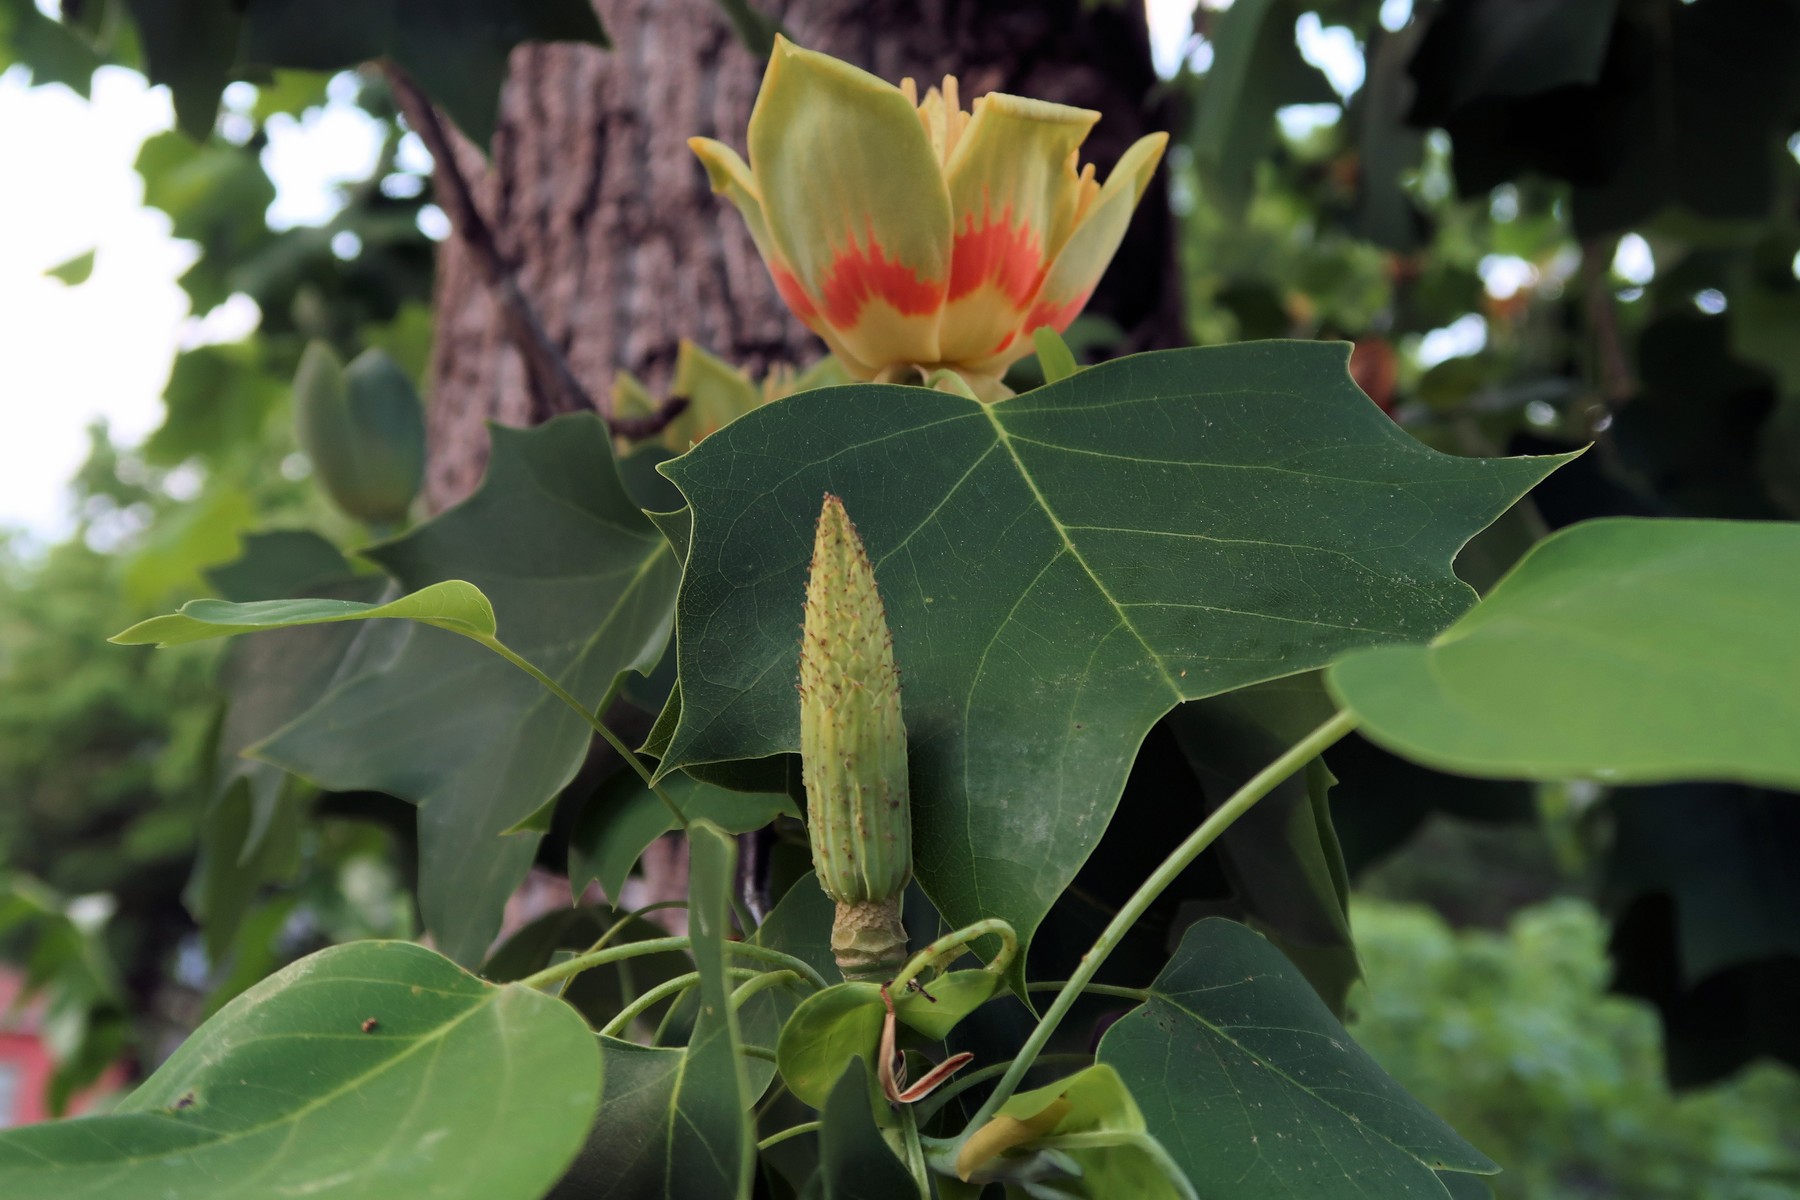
(916, 236)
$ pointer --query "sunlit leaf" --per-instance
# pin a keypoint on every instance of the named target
(366, 1071)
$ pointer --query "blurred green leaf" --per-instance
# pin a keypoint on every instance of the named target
(1620, 650)
(75, 271)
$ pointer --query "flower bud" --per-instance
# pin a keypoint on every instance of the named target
(364, 430)
(853, 752)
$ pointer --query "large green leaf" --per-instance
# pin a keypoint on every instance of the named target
(583, 585)
(855, 1160)
(1060, 570)
(457, 48)
(1255, 1089)
(369, 1070)
(1621, 650)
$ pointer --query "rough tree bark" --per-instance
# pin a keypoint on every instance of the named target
(622, 248)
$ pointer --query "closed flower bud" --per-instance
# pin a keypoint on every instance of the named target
(853, 752)
(364, 430)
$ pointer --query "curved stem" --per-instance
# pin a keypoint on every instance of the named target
(953, 944)
(792, 1131)
(762, 1052)
(581, 962)
(760, 981)
(600, 727)
(1241, 801)
(662, 991)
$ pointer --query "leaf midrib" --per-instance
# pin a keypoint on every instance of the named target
(1062, 532)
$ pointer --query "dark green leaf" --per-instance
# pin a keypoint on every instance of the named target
(623, 817)
(368, 1070)
(584, 586)
(192, 46)
(1474, 49)
(855, 1161)
(1621, 650)
(1253, 1087)
(1060, 570)
(278, 564)
(457, 49)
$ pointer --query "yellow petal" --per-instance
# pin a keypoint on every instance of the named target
(1096, 237)
(855, 205)
(1014, 194)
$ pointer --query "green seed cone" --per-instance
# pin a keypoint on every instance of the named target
(853, 751)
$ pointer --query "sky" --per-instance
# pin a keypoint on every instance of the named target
(69, 355)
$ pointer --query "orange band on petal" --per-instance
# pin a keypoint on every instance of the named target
(1006, 255)
(1056, 316)
(794, 294)
(856, 276)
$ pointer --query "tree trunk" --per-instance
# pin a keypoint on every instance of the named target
(622, 248)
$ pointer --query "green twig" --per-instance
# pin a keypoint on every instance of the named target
(1094, 989)
(761, 981)
(662, 991)
(581, 962)
(1261, 784)
(792, 1131)
(951, 945)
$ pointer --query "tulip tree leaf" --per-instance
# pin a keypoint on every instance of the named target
(583, 586)
(1061, 569)
(1254, 1088)
(454, 605)
(855, 1160)
(364, 1071)
(1622, 650)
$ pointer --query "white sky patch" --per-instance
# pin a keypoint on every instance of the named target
(1172, 37)
(313, 156)
(1633, 262)
(102, 349)
(1333, 50)
(1395, 14)
(1505, 275)
(1298, 121)
(1462, 337)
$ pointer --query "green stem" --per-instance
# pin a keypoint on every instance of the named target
(953, 944)
(673, 987)
(760, 981)
(592, 718)
(1261, 784)
(928, 1108)
(762, 1052)
(1094, 989)
(570, 967)
(792, 1131)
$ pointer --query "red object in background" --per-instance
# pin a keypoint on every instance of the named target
(1376, 368)
(26, 1065)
